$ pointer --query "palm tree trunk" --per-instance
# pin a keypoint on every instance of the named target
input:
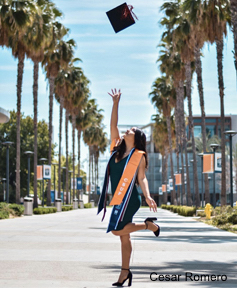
(182, 135)
(219, 48)
(67, 168)
(79, 150)
(51, 93)
(20, 71)
(189, 197)
(60, 147)
(188, 75)
(92, 167)
(89, 171)
(73, 150)
(177, 133)
(35, 94)
(201, 97)
(233, 9)
(173, 200)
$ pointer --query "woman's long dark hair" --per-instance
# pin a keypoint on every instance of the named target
(140, 144)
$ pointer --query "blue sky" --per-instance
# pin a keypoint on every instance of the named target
(126, 60)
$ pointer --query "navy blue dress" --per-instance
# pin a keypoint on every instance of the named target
(116, 171)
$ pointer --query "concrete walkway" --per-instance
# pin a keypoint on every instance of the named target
(71, 249)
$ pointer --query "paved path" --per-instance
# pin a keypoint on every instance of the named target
(71, 249)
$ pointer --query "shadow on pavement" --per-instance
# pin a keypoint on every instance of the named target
(198, 268)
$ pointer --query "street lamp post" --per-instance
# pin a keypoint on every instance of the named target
(214, 147)
(192, 161)
(201, 156)
(231, 134)
(183, 187)
(70, 175)
(7, 144)
(43, 160)
(4, 192)
(54, 180)
(64, 168)
(28, 153)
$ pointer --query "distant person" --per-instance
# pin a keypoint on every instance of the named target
(126, 167)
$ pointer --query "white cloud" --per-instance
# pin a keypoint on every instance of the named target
(147, 57)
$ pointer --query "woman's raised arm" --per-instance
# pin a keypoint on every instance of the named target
(114, 132)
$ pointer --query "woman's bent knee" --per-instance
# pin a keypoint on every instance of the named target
(116, 233)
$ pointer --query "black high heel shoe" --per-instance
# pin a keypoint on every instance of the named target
(157, 232)
(129, 278)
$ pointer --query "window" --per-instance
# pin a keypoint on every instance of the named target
(197, 131)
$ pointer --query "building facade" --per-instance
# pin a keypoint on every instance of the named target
(154, 172)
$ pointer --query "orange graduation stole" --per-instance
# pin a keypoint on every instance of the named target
(127, 177)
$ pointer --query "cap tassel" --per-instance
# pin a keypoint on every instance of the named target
(128, 12)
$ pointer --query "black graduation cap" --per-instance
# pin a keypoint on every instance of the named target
(121, 17)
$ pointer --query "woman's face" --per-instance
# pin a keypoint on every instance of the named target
(130, 134)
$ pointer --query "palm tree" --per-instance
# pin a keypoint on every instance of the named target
(233, 9)
(160, 136)
(61, 93)
(38, 37)
(15, 17)
(179, 36)
(73, 104)
(84, 119)
(163, 97)
(92, 136)
(217, 17)
(57, 56)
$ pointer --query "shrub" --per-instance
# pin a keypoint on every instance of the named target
(201, 214)
(44, 210)
(232, 218)
(87, 205)
(217, 211)
(4, 210)
(163, 206)
(4, 214)
(66, 208)
(187, 211)
(220, 220)
(17, 210)
(175, 209)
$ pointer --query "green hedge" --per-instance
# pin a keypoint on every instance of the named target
(13, 209)
(4, 211)
(67, 208)
(220, 219)
(44, 210)
(17, 210)
(232, 218)
(87, 205)
(181, 210)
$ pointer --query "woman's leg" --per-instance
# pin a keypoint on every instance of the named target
(126, 250)
(132, 227)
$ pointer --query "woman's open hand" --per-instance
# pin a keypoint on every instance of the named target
(115, 95)
(151, 203)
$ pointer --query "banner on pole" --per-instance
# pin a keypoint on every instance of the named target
(208, 163)
(163, 188)
(178, 180)
(46, 171)
(79, 183)
(218, 162)
(171, 184)
(160, 191)
(39, 172)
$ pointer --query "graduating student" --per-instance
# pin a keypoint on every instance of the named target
(126, 167)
